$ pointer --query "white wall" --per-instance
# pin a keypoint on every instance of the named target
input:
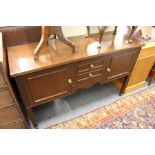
(80, 30)
(147, 31)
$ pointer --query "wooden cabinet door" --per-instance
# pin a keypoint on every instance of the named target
(46, 85)
(120, 64)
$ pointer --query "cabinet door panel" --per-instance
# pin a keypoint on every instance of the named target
(120, 65)
(46, 85)
(49, 85)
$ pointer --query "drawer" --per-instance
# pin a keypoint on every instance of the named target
(91, 74)
(2, 81)
(87, 80)
(5, 98)
(90, 64)
(16, 125)
(9, 115)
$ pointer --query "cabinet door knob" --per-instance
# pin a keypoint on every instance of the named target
(92, 66)
(70, 81)
(108, 69)
(90, 74)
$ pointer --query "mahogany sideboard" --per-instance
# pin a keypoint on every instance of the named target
(57, 74)
(11, 116)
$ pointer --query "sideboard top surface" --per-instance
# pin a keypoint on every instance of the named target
(20, 58)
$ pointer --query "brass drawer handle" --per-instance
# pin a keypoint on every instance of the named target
(108, 69)
(90, 74)
(70, 81)
(92, 66)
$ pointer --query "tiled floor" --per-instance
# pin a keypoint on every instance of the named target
(81, 102)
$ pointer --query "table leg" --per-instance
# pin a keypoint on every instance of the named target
(124, 85)
(32, 117)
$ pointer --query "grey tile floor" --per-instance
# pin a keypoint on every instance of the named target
(81, 102)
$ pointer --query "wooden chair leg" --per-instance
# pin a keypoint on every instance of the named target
(100, 36)
(133, 29)
(115, 30)
(59, 33)
(46, 32)
(101, 32)
(43, 41)
(88, 32)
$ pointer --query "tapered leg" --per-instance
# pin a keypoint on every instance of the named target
(101, 32)
(32, 117)
(46, 32)
(59, 33)
(100, 36)
(131, 33)
(43, 41)
(150, 80)
(115, 30)
(88, 32)
(124, 85)
(152, 76)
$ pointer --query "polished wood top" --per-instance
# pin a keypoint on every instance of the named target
(1, 49)
(21, 60)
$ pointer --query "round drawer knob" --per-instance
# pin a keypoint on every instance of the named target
(70, 81)
(108, 69)
(91, 66)
(90, 74)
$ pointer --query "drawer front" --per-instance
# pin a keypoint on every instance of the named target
(16, 125)
(87, 80)
(90, 65)
(2, 81)
(91, 74)
(9, 115)
(5, 98)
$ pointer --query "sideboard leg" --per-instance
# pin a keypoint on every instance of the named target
(32, 117)
(124, 85)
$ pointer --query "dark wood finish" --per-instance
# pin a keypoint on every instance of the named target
(9, 115)
(121, 65)
(2, 81)
(16, 35)
(15, 125)
(9, 109)
(32, 116)
(45, 85)
(62, 73)
(5, 98)
(152, 74)
(46, 32)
